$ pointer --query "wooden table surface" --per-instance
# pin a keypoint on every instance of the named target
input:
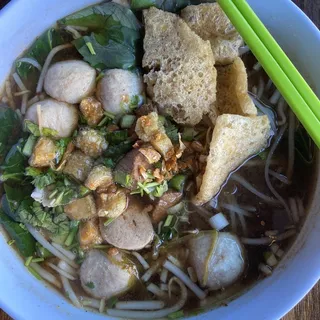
(309, 307)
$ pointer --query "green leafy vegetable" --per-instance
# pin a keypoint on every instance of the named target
(116, 137)
(10, 124)
(115, 152)
(114, 32)
(41, 178)
(90, 285)
(13, 167)
(39, 51)
(166, 5)
(34, 129)
(22, 238)
(171, 131)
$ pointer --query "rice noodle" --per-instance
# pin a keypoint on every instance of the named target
(235, 208)
(251, 188)
(133, 314)
(32, 62)
(164, 286)
(291, 145)
(64, 266)
(40, 238)
(268, 240)
(47, 63)
(279, 176)
(21, 93)
(140, 305)
(185, 279)
(275, 97)
(294, 210)
(33, 100)
(75, 33)
(69, 291)
(22, 87)
(151, 271)
(9, 95)
(175, 261)
(142, 261)
(281, 108)
(164, 275)
(153, 288)
(64, 251)
(266, 169)
(61, 272)
(243, 50)
(192, 274)
(46, 275)
(90, 302)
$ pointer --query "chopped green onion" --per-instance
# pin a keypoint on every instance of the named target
(72, 234)
(53, 193)
(168, 220)
(127, 121)
(11, 242)
(109, 221)
(122, 178)
(101, 246)
(109, 114)
(37, 260)
(176, 315)
(34, 273)
(28, 261)
(28, 147)
(90, 47)
(103, 121)
(177, 182)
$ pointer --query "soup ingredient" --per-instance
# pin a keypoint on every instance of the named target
(232, 90)
(132, 230)
(99, 176)
(91, 142)
(185, 60)
(217, 258)
(56, 115)
(22, 238)
(209, 22)
(44, 153)
(10, 124)
(127, 171)
(112, 204)
(150, 129)
(104, 275)
(84, 208)
(218, 221)
(70, 81)
(119, 91)
(242, 137)
(92, 110)
(114, 32)
(133, 314)
(89, 233)
(168, 200)
(78, 165)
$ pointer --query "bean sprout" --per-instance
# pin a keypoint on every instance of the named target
(32, 62)
(69, 291)
(61, 272)
(237, 209)
(45, 274)
(142, 261)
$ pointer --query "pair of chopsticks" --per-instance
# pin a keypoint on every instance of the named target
(295, 90)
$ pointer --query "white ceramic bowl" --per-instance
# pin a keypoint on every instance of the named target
(24, 297)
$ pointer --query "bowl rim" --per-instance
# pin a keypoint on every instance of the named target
(273, 313)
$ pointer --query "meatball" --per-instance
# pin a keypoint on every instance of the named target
(91, 142)
(56, 115)
(217, 258)
(132, 230)
(119, 91)
(70, 81)
(103, 276)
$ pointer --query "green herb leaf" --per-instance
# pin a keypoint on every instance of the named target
(22, 238)
(10, 124)
(171, 131)
(114, 34)
(115, 152)
(90, 285)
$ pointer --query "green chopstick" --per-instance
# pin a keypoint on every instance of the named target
(279, 55)
(281, 80)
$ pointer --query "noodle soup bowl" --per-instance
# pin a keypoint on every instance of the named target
(24, 297)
